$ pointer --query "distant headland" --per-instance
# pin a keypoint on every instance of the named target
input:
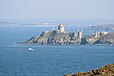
(61, 37)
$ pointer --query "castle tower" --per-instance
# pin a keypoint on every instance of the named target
(80, 34)
(61, 28)
(96, 34)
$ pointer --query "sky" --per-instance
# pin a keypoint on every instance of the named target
(53, 9)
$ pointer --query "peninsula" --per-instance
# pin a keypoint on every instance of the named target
(65, 38)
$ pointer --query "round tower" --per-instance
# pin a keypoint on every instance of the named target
(61, 28)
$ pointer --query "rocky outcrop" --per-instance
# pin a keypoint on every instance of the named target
(59, 38)
(90, 40)
(55, 37)
(101, 39)
(42, 39)
(106, 39)
(107, 70)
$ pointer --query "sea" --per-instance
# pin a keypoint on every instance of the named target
(47, 60)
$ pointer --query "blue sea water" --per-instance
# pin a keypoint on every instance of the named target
(47, 60)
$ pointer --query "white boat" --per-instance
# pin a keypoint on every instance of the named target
(30, 49)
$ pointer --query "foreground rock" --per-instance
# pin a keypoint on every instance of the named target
(107, 70)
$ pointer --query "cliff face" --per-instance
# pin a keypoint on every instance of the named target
(42, 39)
(107, 70)
(89, 40)
(60, 38)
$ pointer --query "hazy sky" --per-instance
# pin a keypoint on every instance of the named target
(52, 9)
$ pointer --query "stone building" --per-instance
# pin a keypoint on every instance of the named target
(61, 28)
(99, 34)
(80, 34)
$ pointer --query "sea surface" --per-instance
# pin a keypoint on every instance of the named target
(47, 60)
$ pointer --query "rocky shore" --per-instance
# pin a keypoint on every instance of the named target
(107, 70)
(67, 38)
